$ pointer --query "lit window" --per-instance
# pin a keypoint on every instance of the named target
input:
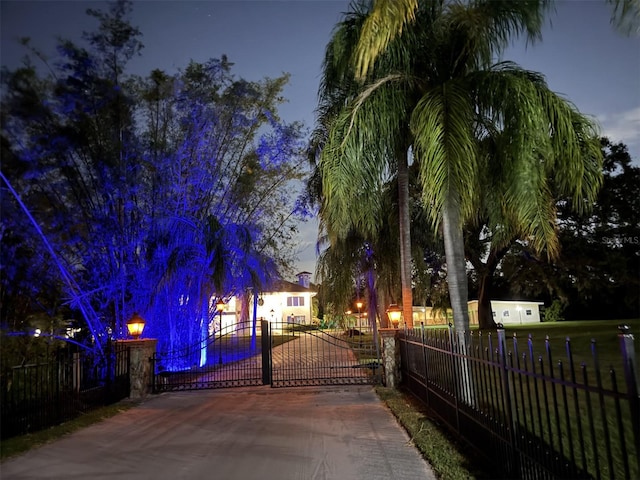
(295, 301)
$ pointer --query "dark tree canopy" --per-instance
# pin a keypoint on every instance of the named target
(126, 194)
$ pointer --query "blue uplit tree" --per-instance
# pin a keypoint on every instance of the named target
(156, 194)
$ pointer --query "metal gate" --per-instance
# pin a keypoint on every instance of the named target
(308, 356)
(272, 353)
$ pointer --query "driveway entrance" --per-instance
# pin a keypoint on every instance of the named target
(256, 433)
(278, 354)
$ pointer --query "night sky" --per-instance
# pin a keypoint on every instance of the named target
(581, 54)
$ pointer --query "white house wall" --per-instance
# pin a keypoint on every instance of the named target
(515, 313)
(505, 312)
(274, 308)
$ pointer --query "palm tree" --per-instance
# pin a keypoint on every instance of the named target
(459, 103)
(369, 264)
(388, 18)
(363, 139)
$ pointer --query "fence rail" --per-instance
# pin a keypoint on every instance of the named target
(527, 414)
(37, 396)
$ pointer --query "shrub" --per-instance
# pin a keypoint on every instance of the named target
(555, 312)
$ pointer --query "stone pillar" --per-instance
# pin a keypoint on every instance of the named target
(390, 356)
(140, 366)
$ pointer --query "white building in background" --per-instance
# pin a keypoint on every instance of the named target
(284, 302)
(507, 312)
(288, 302)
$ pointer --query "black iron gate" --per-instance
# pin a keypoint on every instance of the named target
(273, 353)
(308, 356)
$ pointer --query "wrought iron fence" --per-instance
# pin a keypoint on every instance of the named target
(527, 415)
(47, 393)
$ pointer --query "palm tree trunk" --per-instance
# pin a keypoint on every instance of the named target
(456, 263)
(458, 293)
(405, 239)
(372, 306)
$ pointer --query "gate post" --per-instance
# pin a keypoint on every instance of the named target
(265, 340)
(390, 356)
(141, 366)
(632, 377)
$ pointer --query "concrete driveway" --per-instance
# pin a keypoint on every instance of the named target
(339, 433)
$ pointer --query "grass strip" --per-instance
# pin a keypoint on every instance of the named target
(439, 449)
(14, 446)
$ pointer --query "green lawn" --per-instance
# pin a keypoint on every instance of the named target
(581, 334)
(447, 457)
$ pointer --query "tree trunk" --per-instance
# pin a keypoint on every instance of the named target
(485, 313)
(458, 293)
(486, 271)
(405, 239)
(244, 308)
(254, 320)
(372, 303)
(456, 263)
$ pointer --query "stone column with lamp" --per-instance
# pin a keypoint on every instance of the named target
(141, 353)
(391, 347)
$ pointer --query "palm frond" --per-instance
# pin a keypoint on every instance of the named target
(483, 29)
(386, 21)
(542, 147)
(445, 146)
(626, 16)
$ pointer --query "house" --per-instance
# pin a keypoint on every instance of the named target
(507, 312)
(288, 301)
(283, 302)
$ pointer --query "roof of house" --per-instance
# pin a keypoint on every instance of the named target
(286, 286)
(515, 302)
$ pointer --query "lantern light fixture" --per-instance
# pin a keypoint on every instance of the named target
(135, 326)
(220, 305)
(395, 313)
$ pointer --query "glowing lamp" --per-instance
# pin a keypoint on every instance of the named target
(359, 305)
(394, 313)
(135, 326)
(220, 306)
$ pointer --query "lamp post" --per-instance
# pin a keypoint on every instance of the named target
(220, 308)
(394, 312)
(359, 307)
(135, 326)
